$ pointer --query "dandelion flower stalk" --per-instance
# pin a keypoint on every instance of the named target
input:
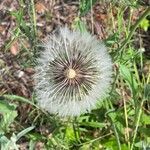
(72, 74)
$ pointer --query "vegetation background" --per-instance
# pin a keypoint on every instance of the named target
(121, 121)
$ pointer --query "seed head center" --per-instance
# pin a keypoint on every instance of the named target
(71, 73)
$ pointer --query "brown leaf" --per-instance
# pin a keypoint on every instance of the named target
(14, 49)
(39, 146)
(101, 17)
(2, 28)
(29, 70)
(40, 8)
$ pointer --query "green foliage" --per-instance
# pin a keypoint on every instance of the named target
(145, 119)
(145, 24)
(147, 91)
(128, 76)
(7, 144)
(93, 124)
(69, 136)
(142, 145)
(112, 39)
(26, 28)
(111, 144)
(79, 24)
(85, 6)
(9, 113)
(19, 98)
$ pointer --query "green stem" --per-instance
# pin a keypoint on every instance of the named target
(96, 139)
(75, 129)
(108, 106)
(125, 42)
(137, 124)
(117, 136)
(22, 99)
(34, 16)
(129, 22)
(126, 115)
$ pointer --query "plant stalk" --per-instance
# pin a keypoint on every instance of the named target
(133, 28)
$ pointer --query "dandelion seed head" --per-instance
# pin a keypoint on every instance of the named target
(72, 74)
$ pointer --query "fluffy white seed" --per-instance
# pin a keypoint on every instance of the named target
(72, 74)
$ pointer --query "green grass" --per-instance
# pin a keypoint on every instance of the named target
(120, 122)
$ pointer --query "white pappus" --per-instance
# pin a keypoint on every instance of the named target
(72, 73)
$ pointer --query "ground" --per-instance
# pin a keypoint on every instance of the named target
(121, 121)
